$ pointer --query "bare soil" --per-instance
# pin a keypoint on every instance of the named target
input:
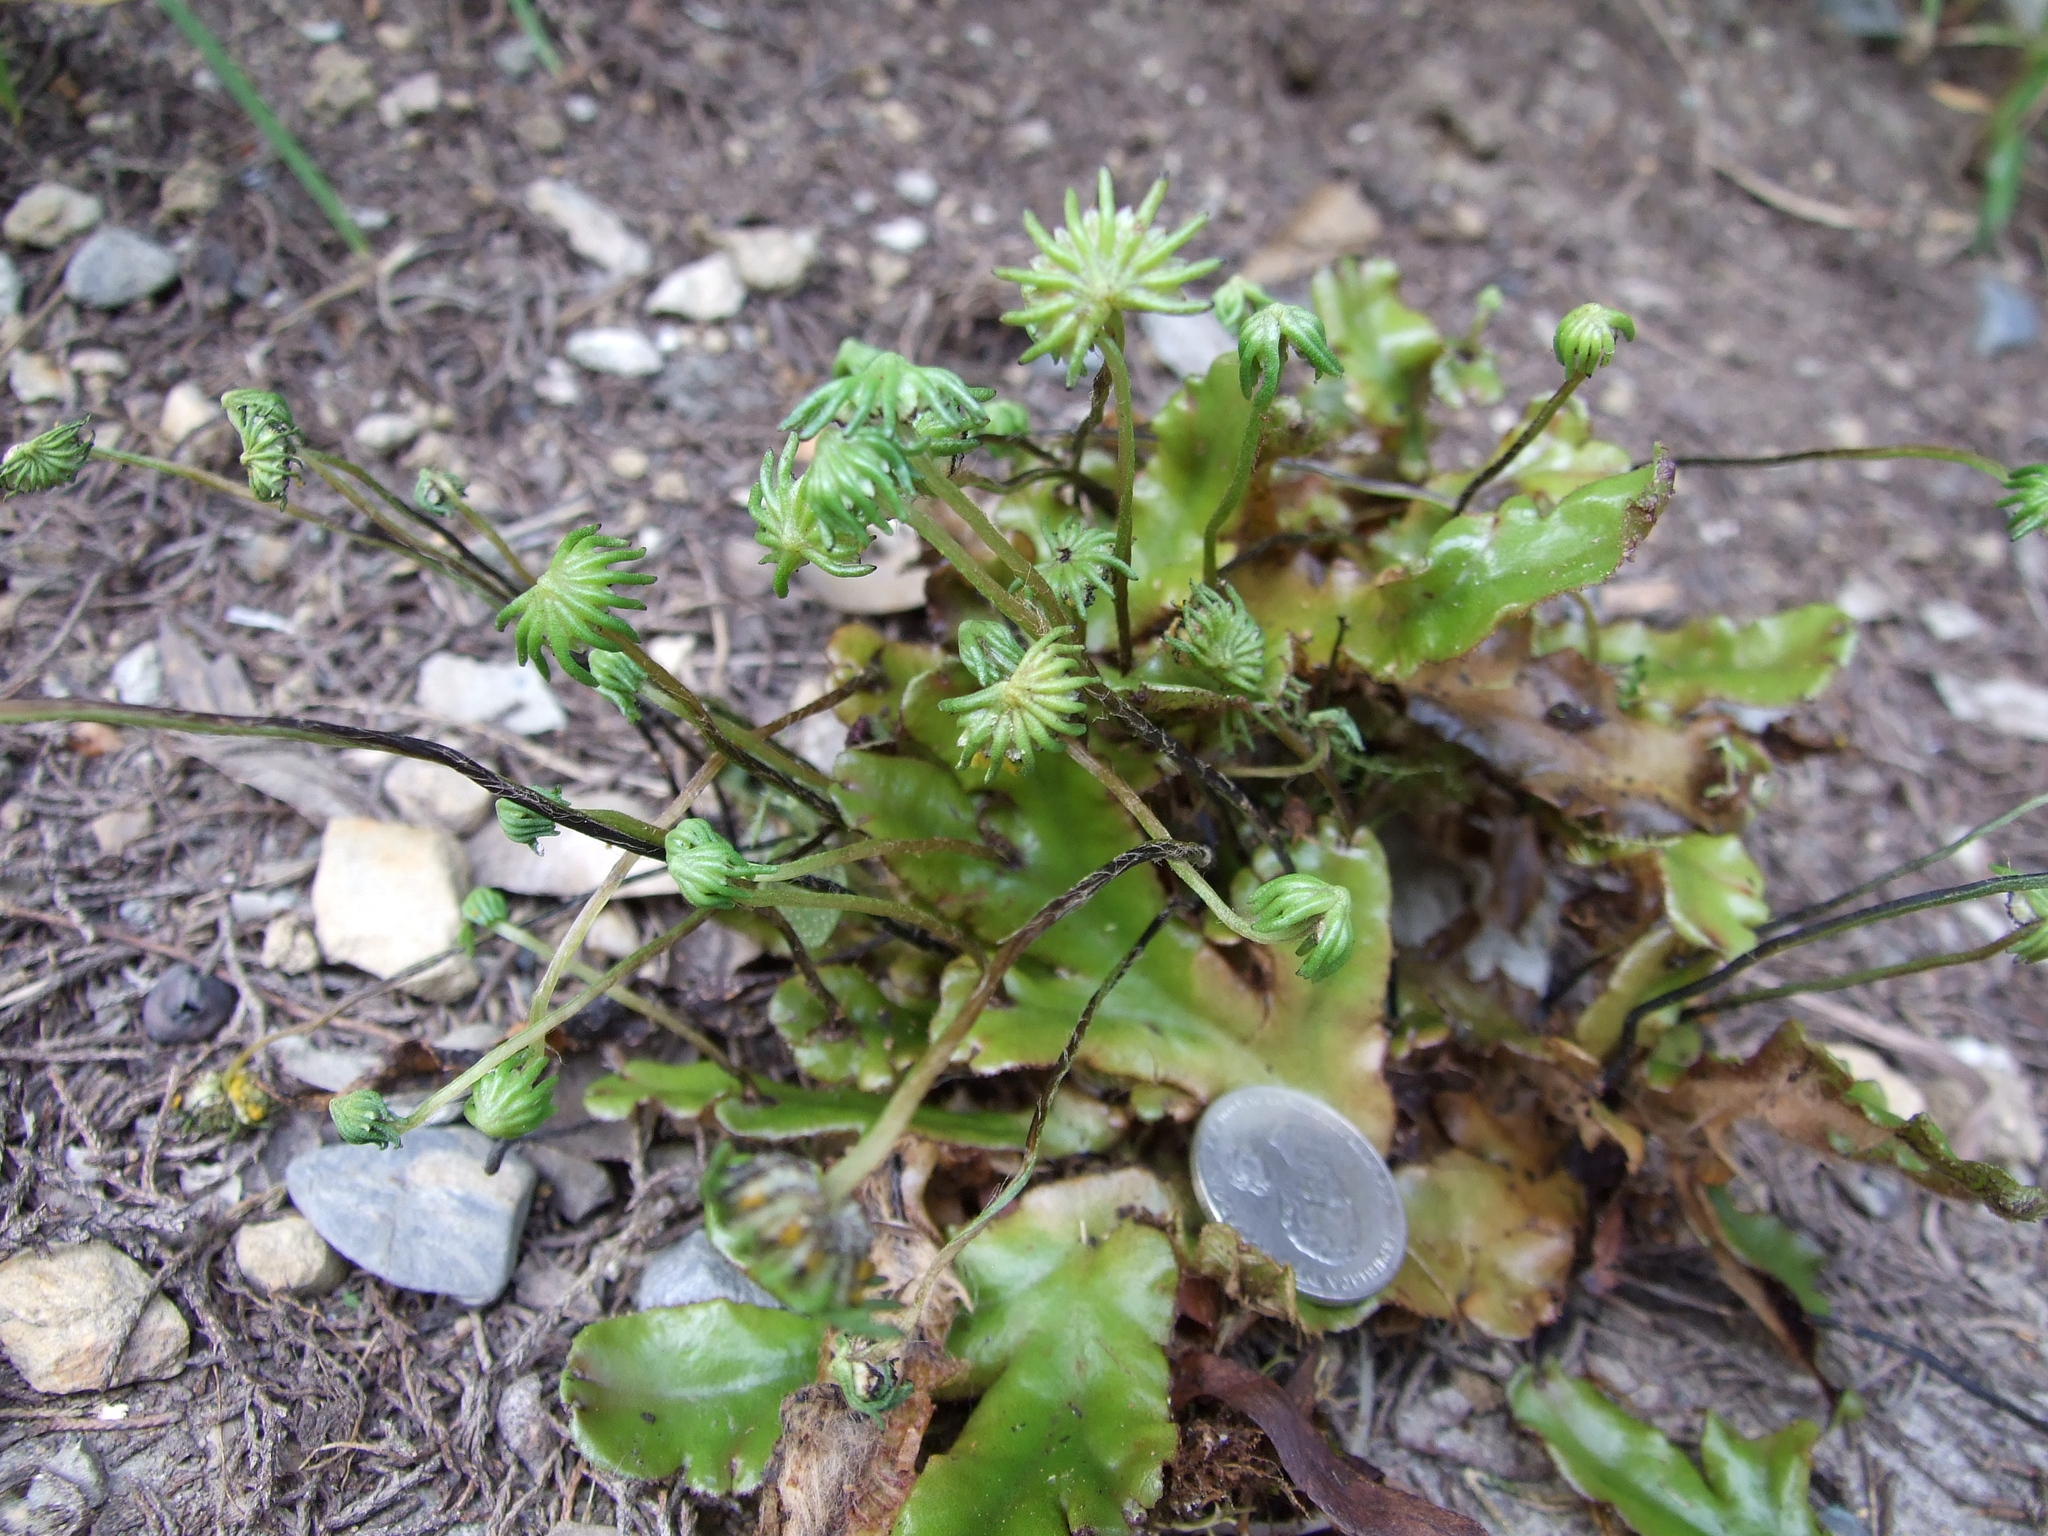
(1563, 151)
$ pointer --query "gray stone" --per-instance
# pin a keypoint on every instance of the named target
(329, 1069)
(386, 431)
(117, 267)
(614, 349)
(185, 1007)
(423, 1216)
(1878, 1193)
(692, 1271)
(702, 291)
(138, 677)
(1186, 344)
(10, 286)
(580, 1186)
(515, 56)
(917, 186)
(594, 232)
(471, 692)
(49, 213)
(285, 1256)
(83, 1317)
(903, 235)
(2007, 318)
(50, 1490)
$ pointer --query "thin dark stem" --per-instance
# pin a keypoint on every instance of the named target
(1205, 773)
(1939, 1366)
(1910, 867)
(1528, 435)
(806, 967)
(1940, 451)
(1860, 978)
(323, 733)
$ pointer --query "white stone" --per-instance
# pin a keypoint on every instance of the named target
(115, 830)
(386, 431)
(34, 377)
(2008, 705)
(615, 349)
(709, 289)
(431, 795)
(187, 408)
(1949, 622)
(138, 677)
(594, 232)
(1866, 601)
(10, 287)
(895, 585)
(558, 385)
(387, 896)
(327, 1068)
(49, 213)
(289, 947)
(414, 96)
(83, 1317)
(904, 235)
(115, 267)
(471, 692)
(580, 108)
(1031, 137)
(1186, 344)
(769, 258)
(285, 1256)
(628, 462)
(917, 186)
(99, 363)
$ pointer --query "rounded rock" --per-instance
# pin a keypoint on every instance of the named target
(116, 267)
(285, 1256)
(184, 1007)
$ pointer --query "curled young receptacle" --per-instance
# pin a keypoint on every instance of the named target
(569, 609)
(2026, 502)
(47, 460)
(708, 870)
(857, 480)
(512, 1099)
(363, 1118)
(1099, 264)
(523, 824)
(1236, 301)
(1263, 341)
(989, 650)
(1586, 338)
(791, 532)
(486, 907)
(1016, 715)
(619, 679)
(1311, 914)
(770, 1215)
(270, 440)
(868, 381)
(1079, 562)
(1216, 633)
(436, 491)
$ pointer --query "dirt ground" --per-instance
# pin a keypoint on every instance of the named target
(1562, 149)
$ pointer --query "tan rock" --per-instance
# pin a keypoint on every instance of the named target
(117, 829)
(84, 1317)
(190, 191)
(289, 947)
(187, 408)
(387, 896)
(1336, 220)
(35, 377)
(429, 795)
(285, 1256)
(49, 213)
(340, 82)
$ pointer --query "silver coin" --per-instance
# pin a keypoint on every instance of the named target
(1301, 1184)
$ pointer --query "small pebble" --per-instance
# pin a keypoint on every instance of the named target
(10, 287)
(581, 1188)
(49, 213)
(627, 463)
(387, 896)
(114, 831)
(614, 349)
(321, 30)
(1949, 622)
(557, 385)
(692, 1271)
(184, 1007)
(594, 232)
(523, 1422)
(769, 258)
(413, 97)
(705, 290)
(1879, 1193)
(34, 377)
(515, 56)
(917, 186)
(338, 81)
(187, 408)
(116, 267)
(138, 677)
(285, 1256)
(191, 190)
(671, 485)
(471, 692)
(541, 131)
(2007, 318)
(386, 431)
(903, 235)
(99, 362)
(82, 1317)
(289, 947)
(580, 108)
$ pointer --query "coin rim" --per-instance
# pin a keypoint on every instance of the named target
(1238, 1100)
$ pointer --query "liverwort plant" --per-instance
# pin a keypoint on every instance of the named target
(1062, 889)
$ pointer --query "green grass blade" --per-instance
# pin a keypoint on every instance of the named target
(536, 29)
(10, 102)
(250, 100)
